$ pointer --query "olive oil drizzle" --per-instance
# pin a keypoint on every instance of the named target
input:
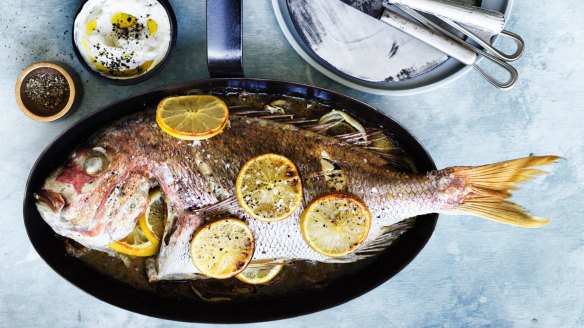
(124, 27)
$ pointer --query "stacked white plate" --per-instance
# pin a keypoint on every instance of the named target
(360, 52)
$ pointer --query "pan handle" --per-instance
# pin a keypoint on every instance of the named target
(224, 38)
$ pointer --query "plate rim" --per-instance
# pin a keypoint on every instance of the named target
(423, 88)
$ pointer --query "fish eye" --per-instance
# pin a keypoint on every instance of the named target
(96, 162)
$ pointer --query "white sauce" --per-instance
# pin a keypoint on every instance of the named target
(118, 51)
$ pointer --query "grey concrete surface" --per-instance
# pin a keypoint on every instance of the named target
(472, 273)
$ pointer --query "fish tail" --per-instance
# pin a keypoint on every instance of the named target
(489, 186)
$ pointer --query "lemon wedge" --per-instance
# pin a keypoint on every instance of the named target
(222, 249)
(195, 117)
(335, 224)
(135, 244)
(153, 220)
(268, 187)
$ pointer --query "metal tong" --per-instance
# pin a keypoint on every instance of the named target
(478, 24)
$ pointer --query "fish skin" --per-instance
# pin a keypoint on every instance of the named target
(89, 215)
(195, 175)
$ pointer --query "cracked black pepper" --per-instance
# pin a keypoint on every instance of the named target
(48, 91)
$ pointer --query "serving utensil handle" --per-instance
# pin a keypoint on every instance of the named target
(435, 28)
(487, 43)
(488, 20)
(224, 38)
(438, 41)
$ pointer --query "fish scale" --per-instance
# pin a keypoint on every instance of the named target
(198, 180)
(283, 239)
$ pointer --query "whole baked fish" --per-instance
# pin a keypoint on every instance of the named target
(99, 193)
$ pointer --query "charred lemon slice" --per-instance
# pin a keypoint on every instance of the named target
(192, 117)
(382, 144)
(268, 187)
(223, 248)
(260, 275)
(340, 123)
(335, 224)
(135, 244)
(153, 220)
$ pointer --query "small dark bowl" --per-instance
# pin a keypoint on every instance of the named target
(142, 77)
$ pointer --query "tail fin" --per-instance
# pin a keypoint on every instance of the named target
(491, 186)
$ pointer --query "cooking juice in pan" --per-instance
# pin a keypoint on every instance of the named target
(295, 276)
(312, 185)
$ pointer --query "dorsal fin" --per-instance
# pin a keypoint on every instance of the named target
(370, 139)
(275, 117)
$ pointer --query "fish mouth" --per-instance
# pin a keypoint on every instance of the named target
(52, 199)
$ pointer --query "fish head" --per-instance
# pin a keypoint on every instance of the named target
(97, 196)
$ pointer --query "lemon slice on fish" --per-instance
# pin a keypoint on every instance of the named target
(335, 224)
(194, 117)
(135, 244)
(222, 249)
(260, 275)
(268, 187)
(153, 220)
